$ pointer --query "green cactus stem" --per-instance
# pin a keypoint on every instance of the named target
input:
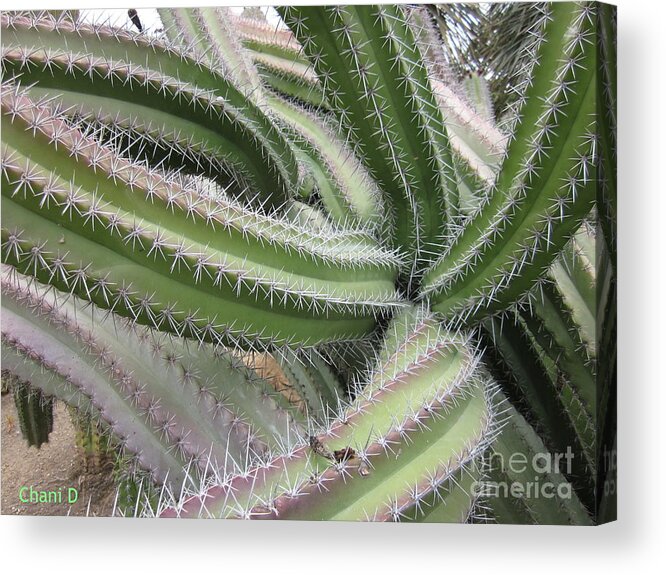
(349, 194)
(540, 389)
(390, 112)
(519, 458)
(137, 84)
(371, 463)
(547, 181)
(208, 31)
(35, 413)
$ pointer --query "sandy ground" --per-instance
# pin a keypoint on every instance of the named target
(56, 464)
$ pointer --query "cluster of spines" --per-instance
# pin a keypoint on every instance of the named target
(381, 424)
(277, 57)
(537, 200)
(208, 112)
(188, 327)
(291, 78)
(471, 130)
(28, 360)
(174, 194)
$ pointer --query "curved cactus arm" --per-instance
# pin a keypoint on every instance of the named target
(533, 380)
(35, 413)
(349, 194)
(519, 458)
(575, 276)
(170, 404)
(133, 81)
(257, 406)
(546, 186)
(553, 327)
(474, 139)
(371, 71)
(80, 199)
(396, 450)
(209, 31)
(44, 352)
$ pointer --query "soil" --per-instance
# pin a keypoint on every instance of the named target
(56, 464)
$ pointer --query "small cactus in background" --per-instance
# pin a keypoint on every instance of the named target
(35, 413)
(187, 217)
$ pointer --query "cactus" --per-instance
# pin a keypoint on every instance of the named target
(187, 217)
(35, 413)
(392, 115)
(481, 271)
